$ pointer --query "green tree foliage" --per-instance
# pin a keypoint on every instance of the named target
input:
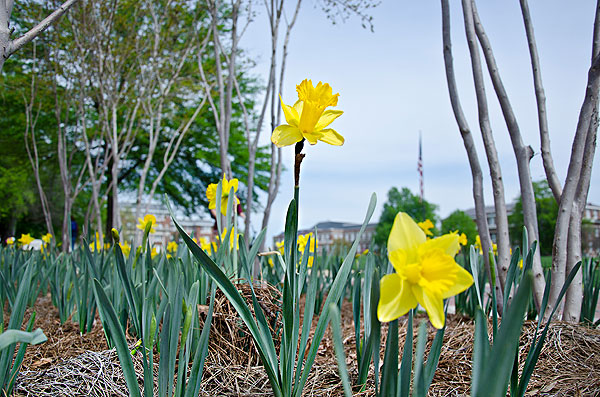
(403, 200)
(547, 211)
(56, 62)
(20, 211)
(461, 222)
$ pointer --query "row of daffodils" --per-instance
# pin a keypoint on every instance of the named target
(137, 290)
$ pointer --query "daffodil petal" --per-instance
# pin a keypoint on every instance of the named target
(223, 206)
(233, 184)
(327, 118)
(312, 137)
(286, 135)
(395, 299)
(398, 259)
(331, 137)
(299, 105)
(405, 234)
(433, 304)
(447, 243)
(292, 116)
(463, 281)
(211, 192)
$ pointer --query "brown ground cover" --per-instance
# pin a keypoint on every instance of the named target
(70, 364)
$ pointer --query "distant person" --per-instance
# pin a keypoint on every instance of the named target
(74, 232)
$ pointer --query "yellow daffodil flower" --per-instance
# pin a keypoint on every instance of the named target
(142, 223)
(365, 252)
(232, 238)
(280, 247)
(211, 194)
(10, 241)
(210, 247)
(308, 118)
(153, 253)
(47, 238)
(26, 239)
(96, 245)
(302, 241)
(172, 247)
(425, 272)
(125, 247)
(520, 263)
(426, 226)
(478, 244)
(462, 239)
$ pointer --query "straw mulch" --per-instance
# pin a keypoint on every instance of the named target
(230, 343)
(569, 364)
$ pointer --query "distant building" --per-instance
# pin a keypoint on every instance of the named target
(490, 214)
(590, 230)
(165, 228)
(331, 234)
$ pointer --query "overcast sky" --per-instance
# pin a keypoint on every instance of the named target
(392, 85)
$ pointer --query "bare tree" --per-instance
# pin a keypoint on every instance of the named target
(523, 155)
(225, 82)
(9, 46)
(540, 97)
(567, 243)
(275, 12)
(72, 177)
(32, 112)
(162, 70)
(573, 195)
(489, 145)
(465, 131)
(110, 65)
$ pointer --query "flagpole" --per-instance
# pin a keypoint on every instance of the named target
(420, 171)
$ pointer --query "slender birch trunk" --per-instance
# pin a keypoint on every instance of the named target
(467, 137)
(540, 97)
(574, 296)
(490, 147)
(523, 155)
(31, 117)
(568, 197)
(8, 46)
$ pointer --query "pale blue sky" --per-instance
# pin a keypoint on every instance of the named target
(392, 85)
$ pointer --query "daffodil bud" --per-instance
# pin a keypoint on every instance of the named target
(115, 235)
(187, 322)
(492, 268)
(152, 331)
(147, 228)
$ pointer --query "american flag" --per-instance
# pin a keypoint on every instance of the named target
(420, 169)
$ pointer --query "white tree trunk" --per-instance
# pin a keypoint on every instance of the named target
(523, 155)
(503, 241)
(568, 197)
(540, 97)
(574, 296)
(467, 137)
(8, 46)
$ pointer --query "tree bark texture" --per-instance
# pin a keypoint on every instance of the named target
(574, 296)
(503, 241)
(523, 155)
(540, 97)
(569, 194)
(467, 137)
(8, 46)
